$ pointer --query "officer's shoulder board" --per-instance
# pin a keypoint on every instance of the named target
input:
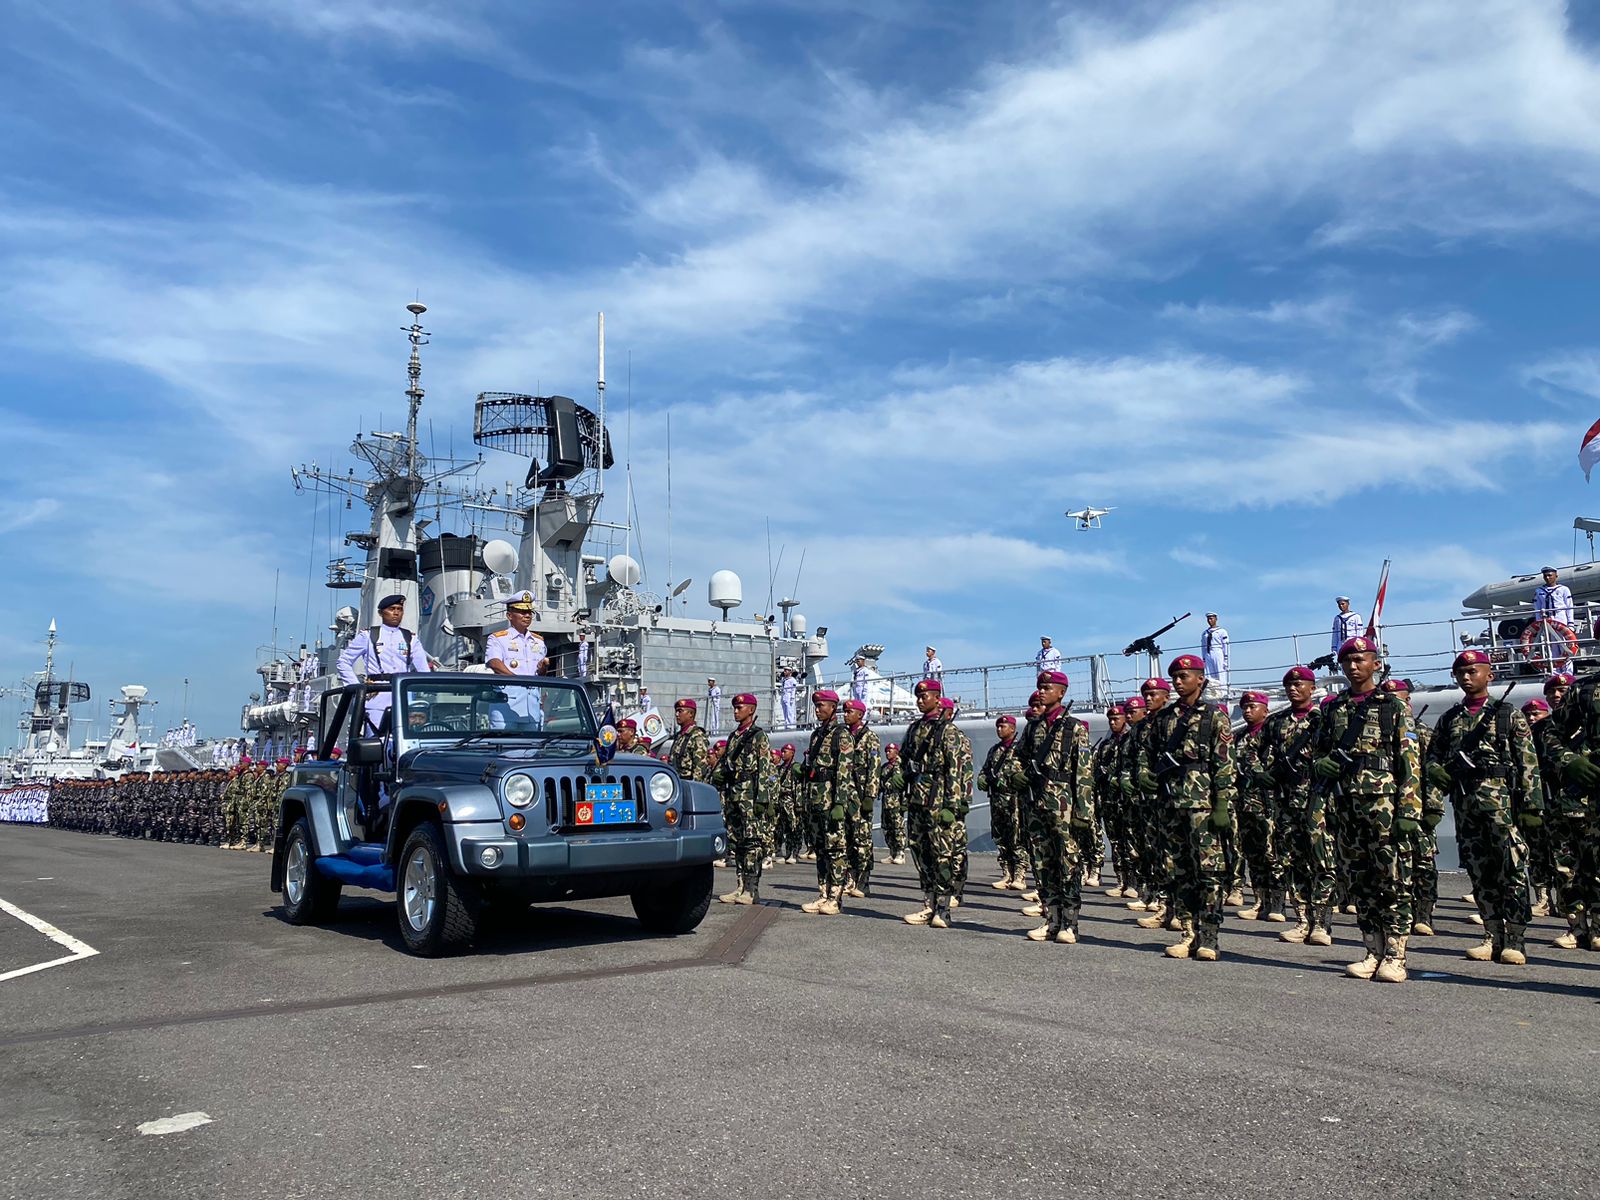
(502, 633)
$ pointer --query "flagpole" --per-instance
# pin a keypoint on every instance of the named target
(1375, 621)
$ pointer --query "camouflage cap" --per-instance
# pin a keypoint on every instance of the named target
(1357, 645)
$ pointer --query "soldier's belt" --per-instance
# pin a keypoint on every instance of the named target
(1368, 762)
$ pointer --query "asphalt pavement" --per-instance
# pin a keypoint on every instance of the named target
(767, 1053)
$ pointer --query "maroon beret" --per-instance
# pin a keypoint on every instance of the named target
(1294, 673)
(628, 723)
(1134, 702)
(1468, 658)
(947, 704)
(825, 694)
(689, 704)
(1357, 645)
(1253, 698)
(1186, 662)
(1155, 684)
(722, 744)
(1006, 719)
(1056, 677)
(929, 685)
(855, 706)
(1559, 679)
(1116, 708)
(1036, 698)
(1536, 705)
(745, 698)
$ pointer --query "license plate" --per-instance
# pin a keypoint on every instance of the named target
(602, 804)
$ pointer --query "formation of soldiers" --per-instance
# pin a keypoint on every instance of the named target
(1317, 808)
(235, 809)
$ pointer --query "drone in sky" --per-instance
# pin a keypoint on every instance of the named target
(1089, 518)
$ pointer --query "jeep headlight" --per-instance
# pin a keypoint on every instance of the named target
(518, 791)
(661, 787)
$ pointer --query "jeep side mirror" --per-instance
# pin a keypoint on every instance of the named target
(367, 751)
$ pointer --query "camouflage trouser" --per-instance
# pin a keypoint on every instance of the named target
(858, 846)
(1126, 832)
(1575, 846)
(1157, 848)
(1377, 859)
(1341, 867)
(944, 851)
(752, 840)
(1199, 872)
(1541, 860)
(267, 819)
(1232, 860)
(1306, 850)
(1057, 857)
(1424, 874)
(832, 847)
(894, 823)
(816, 830)
(1010, 840)
(790, 832)
(917, 840)
(1501, 858)
(1253, 817)
(1092, 846)
(232, 819)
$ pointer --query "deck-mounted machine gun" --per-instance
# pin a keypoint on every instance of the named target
(1147, 644)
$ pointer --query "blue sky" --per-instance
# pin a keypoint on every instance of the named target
(1296, 288)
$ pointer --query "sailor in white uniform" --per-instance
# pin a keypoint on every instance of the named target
(860, 681)
(1553, 601)
(791, 688)
(583, 656)
(932, 668)
(1048, 658)
(1346, 624)
(386, 649)
(1214, 651)
(713, 707)
(518, 651)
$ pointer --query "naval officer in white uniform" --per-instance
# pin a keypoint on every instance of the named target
(1214, 652)
(518, 651)
(1552, 601)
(386, 649)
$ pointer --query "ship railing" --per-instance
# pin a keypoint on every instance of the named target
(1421, 651)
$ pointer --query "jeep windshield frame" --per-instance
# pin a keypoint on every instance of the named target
(439, 710)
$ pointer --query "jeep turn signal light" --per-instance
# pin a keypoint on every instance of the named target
(516, 822)
(672, 816)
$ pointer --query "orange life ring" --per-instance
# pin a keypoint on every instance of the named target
(1563, 632)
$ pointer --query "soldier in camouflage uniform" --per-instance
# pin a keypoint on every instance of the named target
(1367, 750)
(966, 780)
(1425, 842)
(1125, 782)
(1305, 848)
(1005, 783)
(741, 775)
(1566, 743)
(1060, 811)
(1108, 805)
(1158, 854)
(829, 792)
(1256, 812)
(892, 787)
(691, 748)
(1188, 757)
(866, 766)
(1483, 756)
(791, 831)
(233, 807)
(932, 763)
(1033, 730)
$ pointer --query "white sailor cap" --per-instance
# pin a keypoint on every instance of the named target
(520, 601)
(1341, 599)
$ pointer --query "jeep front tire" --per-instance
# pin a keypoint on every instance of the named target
(438, 912)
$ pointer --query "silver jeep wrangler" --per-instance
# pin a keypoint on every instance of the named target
(456, 792)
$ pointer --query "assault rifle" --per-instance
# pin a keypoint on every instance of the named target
(1147, 644)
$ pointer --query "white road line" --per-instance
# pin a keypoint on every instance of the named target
(184, 1122)
(65, 940)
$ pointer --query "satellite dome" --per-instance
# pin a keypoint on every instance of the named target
(134, 691)
(500, 557)
(624, 570)
(725, 591)
(797, 625)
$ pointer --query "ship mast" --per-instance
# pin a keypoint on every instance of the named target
(418, 337)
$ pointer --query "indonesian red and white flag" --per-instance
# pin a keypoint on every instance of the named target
(1589, 452)
(1375, 622)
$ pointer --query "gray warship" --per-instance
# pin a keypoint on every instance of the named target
(540, 536)
(45, 749)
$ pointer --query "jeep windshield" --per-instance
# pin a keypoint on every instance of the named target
(492, 708)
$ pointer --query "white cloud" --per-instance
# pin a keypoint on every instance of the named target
(1189, 557)
(24, 513)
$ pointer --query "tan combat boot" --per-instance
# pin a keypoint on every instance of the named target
(733, 896)
(752, 894)
(1156, 919)
(1184, 946)
(1368, 965)
(941, 914)
(815, 906)
(1033, 910)
(1512, 950)
(1256, 911)
(1052, 926)
(833, 905)
(1235, 898)
(1003, 884)
(1393, 967)
(1067, 935)
(1542, 909)
(923, 914)
(1321, 932)
(1484, 950)
(1300, 931)
(1031, 897)
(1205, 944)
(1019, 882)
